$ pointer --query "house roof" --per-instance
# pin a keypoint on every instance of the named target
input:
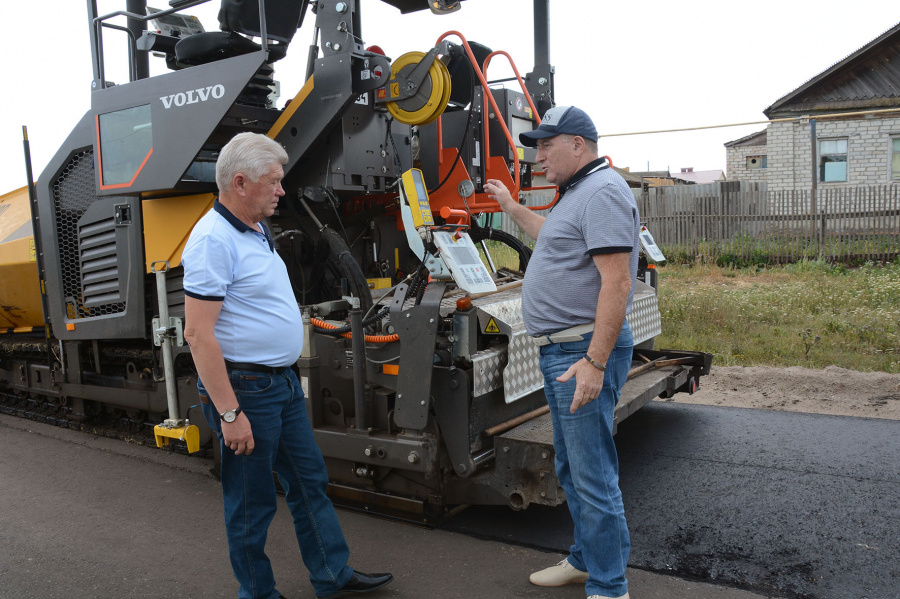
(700, 177)
(754, 139)
(629, 177)
(658, 174)
(867, 78)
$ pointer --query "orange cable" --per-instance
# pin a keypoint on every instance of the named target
(370, 338)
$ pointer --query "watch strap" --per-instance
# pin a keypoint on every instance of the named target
(236, 411)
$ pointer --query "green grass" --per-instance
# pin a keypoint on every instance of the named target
(502, 255)
(810, 314)
(748, 251)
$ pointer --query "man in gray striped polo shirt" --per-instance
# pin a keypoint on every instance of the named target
(577, 291)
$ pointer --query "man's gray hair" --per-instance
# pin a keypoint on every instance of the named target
(250, 153)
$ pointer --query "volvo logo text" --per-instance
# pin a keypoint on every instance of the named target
(192, 96)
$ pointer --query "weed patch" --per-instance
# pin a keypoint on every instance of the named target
(810, 314)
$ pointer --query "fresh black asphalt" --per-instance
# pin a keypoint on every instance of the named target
(794, 505)
(87, 517)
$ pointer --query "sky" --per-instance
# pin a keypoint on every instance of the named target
(636, 66)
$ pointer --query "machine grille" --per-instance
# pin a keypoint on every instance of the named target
(99, 265)
(73, 193)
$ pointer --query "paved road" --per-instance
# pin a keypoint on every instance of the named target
(796, 505)
(84, 517)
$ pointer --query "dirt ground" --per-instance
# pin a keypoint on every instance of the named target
(832, 390)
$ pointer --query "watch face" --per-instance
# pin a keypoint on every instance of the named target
(229, 416)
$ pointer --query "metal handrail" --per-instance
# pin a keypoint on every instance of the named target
(488, 96)
(98, 25)
(487, 61)
(537, 117)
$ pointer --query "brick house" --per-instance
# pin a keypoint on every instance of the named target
(747, 158)
(852, 150)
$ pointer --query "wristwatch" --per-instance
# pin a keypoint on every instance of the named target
(230, 415)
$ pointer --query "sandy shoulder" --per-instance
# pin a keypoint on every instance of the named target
(832, 390)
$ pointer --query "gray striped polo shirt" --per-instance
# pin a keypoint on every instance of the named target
(596, 214)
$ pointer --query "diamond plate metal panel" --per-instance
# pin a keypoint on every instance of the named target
(514, 368)
(644, 319)
(507, 310)
(487, 368)
(522, 375)
(518, 370)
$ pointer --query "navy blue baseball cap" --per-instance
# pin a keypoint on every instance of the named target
(561, 120)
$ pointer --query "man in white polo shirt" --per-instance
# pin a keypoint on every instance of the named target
(244, 328)
(577, 291)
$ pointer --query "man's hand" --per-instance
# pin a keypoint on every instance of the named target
(588, 383)
(498, 192)
(528, 220)
(238, 435)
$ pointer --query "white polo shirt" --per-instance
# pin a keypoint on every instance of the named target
(227, 261)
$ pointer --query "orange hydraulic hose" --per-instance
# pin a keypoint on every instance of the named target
(370, 338)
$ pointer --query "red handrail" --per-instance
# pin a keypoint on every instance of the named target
(487, 144)
(537, 117)
(488, 96)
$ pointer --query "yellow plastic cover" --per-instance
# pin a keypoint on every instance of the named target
(20, 292)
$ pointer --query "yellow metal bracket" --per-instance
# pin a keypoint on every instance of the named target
(189, 433)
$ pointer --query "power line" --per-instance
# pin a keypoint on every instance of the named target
(784, 120)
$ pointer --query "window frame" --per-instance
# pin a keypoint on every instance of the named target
(763, 158)
(821, 158)
(124, 144)
(894, 155)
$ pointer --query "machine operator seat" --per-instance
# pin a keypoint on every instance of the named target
(236, 17)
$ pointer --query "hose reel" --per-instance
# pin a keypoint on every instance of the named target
(419, 88)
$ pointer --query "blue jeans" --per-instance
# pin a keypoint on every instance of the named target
(284, 443)
(587, 464)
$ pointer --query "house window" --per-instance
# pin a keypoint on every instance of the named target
(832, 160)
(895, 158)
(755, 162)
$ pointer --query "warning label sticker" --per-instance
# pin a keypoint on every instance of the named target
(492, 327)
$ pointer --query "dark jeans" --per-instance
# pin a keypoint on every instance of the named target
(284, 442)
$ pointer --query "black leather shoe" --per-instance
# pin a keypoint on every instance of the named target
(361, 583)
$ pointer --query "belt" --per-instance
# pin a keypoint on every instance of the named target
(229, 365)
(566, 335)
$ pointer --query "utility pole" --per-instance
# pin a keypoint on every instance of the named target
(813, 208)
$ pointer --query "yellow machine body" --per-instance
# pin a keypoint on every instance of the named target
(20, 289)
(168, 223)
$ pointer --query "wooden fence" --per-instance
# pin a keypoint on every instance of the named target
(743, 220)
(746, 221)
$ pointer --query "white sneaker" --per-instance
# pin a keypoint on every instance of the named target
(625, 596)
(558, 575)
